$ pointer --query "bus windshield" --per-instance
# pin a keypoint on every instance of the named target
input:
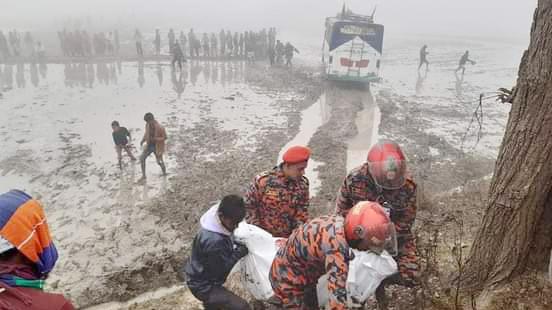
(344, 32)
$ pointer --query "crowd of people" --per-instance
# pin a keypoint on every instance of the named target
(16, 44)
(80, 43)
(248, 45)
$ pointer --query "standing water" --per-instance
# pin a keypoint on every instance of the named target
(311, 119)
(367, 123)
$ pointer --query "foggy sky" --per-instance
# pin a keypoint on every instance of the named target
(482, 18)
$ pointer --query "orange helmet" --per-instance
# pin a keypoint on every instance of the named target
(367, 220)
(387, 164)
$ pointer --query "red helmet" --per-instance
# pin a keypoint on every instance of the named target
(367, 220)
(387, 164)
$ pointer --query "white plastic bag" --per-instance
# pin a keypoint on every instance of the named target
(255, 266)
(366, 271)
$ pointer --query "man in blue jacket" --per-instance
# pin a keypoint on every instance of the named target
(214, 254)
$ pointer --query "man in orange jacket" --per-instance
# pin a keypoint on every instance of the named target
(323, 246)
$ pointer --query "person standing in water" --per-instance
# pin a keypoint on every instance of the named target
(462, 63)
(154, 137)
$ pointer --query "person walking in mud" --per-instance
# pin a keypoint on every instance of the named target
(121, 138)
(463, 61)
(27, 255)
(277, 200)
(154, 137)
(423, 58)
(383, 178)
(215, 253)
(178, 55)
(289, 50)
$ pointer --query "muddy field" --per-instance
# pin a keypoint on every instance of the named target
(226, 122)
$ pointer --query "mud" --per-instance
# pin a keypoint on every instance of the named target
(226, 121)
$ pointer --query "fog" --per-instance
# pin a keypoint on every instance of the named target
(478, 18)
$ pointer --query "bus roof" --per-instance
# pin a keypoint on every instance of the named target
(351, 17)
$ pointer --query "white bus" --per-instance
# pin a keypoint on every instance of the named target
(352, 48)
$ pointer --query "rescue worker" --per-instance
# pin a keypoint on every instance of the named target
(154, 137)
(423, 57)
(278, 200)
(462, 63)
(214, 254)
(323, 246)
(289, 50)
(27, 255)
(383, 179)
(121, 137)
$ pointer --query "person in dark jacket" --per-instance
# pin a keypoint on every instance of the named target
(214, 254)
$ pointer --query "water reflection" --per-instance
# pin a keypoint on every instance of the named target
(159, 74)
(90, 75)
(458, 85)
(34, 74)
(20, 75)
(420, 82)
(43, 69)
(141, 78)
(195, 70)
(178, 82)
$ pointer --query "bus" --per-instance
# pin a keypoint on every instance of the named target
(352, 47)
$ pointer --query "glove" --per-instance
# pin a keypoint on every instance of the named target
(241, 249)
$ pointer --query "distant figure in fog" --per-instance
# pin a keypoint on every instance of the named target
(172, 38)
(423, 57)
(289, 50)
(138, 39)
(121, 137)
(157, 42)
(279, 52)
(154, 137)
(178, 55)
(462, 63)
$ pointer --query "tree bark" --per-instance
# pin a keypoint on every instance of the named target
(515, 233)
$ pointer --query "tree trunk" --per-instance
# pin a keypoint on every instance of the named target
(516, 231)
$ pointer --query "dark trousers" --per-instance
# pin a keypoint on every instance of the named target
(219, 298)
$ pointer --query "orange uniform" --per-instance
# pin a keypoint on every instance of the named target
(312, 250)
(276, 203)
(401, 203)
